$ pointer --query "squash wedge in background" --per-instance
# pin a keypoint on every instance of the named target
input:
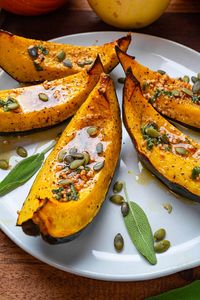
(46, 104)
(171, 97)
(28, 60)
(72, 184)
(169, 154)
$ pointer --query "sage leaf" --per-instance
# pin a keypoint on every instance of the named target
(139, 230)
(23, 171)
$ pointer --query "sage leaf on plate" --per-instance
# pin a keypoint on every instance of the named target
(139, 230)
(23, 171)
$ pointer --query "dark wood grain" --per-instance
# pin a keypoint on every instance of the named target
(21, 275)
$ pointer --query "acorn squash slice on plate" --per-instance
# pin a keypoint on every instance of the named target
(168, 153)
(46, 104)
(28, 60)
(72, 184)
(171, 97)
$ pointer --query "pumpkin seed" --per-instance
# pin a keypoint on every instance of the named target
(117, 199)
(61, 56)
(168, 207)
(198, 76)
(99, 148)
(73, 150)
(162, 246)
(181, 150)
(76, 164)
(161, 72)
(84, 63)
(124, 209)
(4, 165)
(195, 172)
(92, 131)
(21, 151)
(98, 166)
(194, 79)
(43, 97)
(86, 157)
(68, 159)
(186, 91)
(64, 182)
(159, 234)
(12, 106)
(67, 63)
(77, 155)
(196, 87)
(186, 78)
(37, 66)
(61, 155)
(121, 80)
(152, 132)
(33, 51)
(118, 242)
(175, 93)
(117, 187)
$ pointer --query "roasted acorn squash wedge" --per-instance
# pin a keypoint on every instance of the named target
(28, 60)
(171, 97)
(72, 184)
(169, 154)
(46, 104)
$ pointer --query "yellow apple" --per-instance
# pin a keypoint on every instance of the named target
(129, 13)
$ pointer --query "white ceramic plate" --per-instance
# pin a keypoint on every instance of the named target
(92, 254)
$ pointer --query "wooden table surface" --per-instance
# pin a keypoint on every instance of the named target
(21, 275)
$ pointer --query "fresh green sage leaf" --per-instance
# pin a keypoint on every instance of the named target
(23, 171)
(139, 230)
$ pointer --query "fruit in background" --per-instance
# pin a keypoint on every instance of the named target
(31, 7)
(129, 13)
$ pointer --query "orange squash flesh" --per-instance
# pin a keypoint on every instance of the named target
(178, 107)
(60, 221)
(172, 168)
(16, 61)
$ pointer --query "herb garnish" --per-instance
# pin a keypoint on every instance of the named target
(151, 134)
(158, 93)
(196, 99)
(139, 230)
(23, 171)
(195, 173)
(43, 49)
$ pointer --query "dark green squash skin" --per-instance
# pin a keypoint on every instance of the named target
(179, 189)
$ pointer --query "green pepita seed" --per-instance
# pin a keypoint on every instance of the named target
(76, 164)
(168, 207)
(84, 63)
(61, 56)
(117, 199)
(196, 87)
(118, 242)
(198, 76)
(161, 72)
(121, 80)
(99, 148)
(124, 209)
(67, 63)
(4, 165)
(73, 150)
(61, 155)
(194, 79)
(152, 132)
(117, 187)
(64, 182)
(186, 78)
(58, 196)
(77, 155)
(159, 234)
(92, 131)
(181, 150)
(68, 159)
(162, 246)
(12, 106)
(98, 166)
(43, 97)
(175, 93)
(86, 158)
(21, 151)
(195, 173)
(33, 51)
(186, 91)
